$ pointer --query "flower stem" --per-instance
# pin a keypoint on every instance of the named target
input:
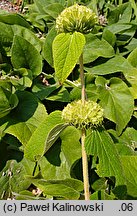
(83, 134)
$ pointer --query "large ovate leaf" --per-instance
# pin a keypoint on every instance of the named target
(27, 116)
(57, 162)
(8, 102)
(25, 55)
(132, 58)
(99, 143)
(14, 18)
(118, 64)
(53, 9)
(47, 48)
(67, 49)
(116, 100)
(6, 34)
(95, 48)
(18, 181)
(129, 164)
(121, 14)
(28, 35)
(129, 138)
(41, 141)
(68, 188)
(13, 177)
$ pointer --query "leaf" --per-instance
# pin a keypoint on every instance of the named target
(119, 27)
(117, 102)
(116, 64)
(13, 177)
(95, 48)
(129, 138)
(67, 49)
(102, 195)
(68, 188)
(8, 101)
(38, 143)
(41, 91)
(27, 195)
(130, 169)
(6, 34)
(5, 176)
(14, 18)
(109, 37)
(132, 58)
(28, 35)
(53, 9)
(25, 55)
(58, 161)
(27, 116)
(99, 143)
(18, 181)
(61, 94)
(47, 48)
(121, 14)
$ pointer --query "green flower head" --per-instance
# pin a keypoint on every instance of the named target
(76, 18)
(87, 115)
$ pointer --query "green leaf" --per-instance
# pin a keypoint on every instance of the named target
(130, 169)
(8, 102)
(119, 27)
(42, 91)
(121, 14)
(68, 188)
(102, 195)
(57, 162)
(132, 58)
(5, 175)
(28, 35)
(25, 55)
(13, 177)
(61, 94)
(14, 18)
(99, 143)
(53, 9)
(95, 48)
(129, 138)
(109, 37)
(27, 116)
(47, 48)
(116, 64)
(18, 181)
(27, 195)
(100, 184)
(67, 49)
(40, 142)
(116, 100)
(6, 34)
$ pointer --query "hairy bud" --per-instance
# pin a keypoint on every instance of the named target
(87, 115)
(76, 18)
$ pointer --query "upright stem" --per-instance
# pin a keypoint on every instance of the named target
(83, 134)
(83, 93)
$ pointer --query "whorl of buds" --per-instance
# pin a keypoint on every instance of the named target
(87, 115)
(76, 18)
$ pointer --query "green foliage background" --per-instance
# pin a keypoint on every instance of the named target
(37, 149)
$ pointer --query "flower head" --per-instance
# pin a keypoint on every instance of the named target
(76, 18)
(87, 115)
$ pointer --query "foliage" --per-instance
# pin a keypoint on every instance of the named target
(37, 148)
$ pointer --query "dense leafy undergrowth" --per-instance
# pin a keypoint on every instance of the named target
(40, 155)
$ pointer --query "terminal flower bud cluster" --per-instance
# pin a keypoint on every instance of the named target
(87, 115)
(76, 18)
